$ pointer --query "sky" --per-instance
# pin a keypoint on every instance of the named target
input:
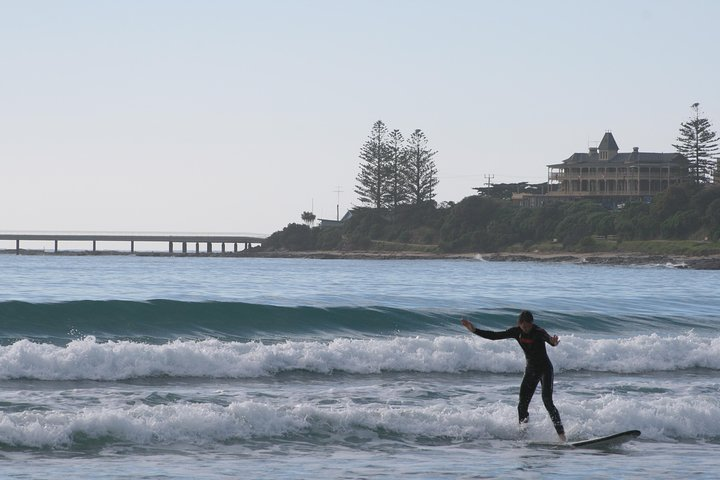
(212, 116)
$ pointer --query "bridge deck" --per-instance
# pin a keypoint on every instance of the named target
(170, 239)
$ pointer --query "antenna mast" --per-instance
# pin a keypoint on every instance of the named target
(489, 180)
(338, 191)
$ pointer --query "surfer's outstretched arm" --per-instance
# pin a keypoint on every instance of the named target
(487, 334)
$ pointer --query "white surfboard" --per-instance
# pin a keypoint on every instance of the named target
(607, 441)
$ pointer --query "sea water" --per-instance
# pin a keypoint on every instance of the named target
(162, 367)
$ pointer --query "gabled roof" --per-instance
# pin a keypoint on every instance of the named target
(644, 158)
(608, 144)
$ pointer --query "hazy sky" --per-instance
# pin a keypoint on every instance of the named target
(236, 116)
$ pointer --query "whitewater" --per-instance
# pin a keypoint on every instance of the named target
(162, 367)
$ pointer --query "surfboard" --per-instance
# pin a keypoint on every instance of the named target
(607, 441)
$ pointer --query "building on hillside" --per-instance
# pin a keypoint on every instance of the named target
(325, 222)
(609, 176)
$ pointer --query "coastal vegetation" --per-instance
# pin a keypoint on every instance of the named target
(683, 220)
(396, 187)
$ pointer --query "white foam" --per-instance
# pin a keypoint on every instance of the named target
(160, 424)
(116, 360)
(658, 417)
(642, 353)
(206, 423)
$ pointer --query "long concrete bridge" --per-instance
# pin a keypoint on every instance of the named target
(171, 240)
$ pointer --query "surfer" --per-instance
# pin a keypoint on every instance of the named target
(538, 368)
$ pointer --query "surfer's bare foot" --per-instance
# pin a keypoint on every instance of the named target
(562, 437)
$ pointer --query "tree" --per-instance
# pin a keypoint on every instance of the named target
(671, 201)
(421, 171)
(372, 180)
(308, 218)
(698, 143)
(397, 191)
(293, 237)
(506, 190)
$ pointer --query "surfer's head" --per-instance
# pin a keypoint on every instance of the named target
(525, 321)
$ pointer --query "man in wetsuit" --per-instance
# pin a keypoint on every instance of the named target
(538, 367)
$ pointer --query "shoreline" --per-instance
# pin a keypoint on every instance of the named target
(708, 262)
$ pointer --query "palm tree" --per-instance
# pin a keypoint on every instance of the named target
(308, 218)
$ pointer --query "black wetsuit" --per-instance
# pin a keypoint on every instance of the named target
(538, 369)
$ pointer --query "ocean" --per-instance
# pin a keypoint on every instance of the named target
(194, 368)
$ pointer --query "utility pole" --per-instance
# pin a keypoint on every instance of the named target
(338, 191)
(489, 180)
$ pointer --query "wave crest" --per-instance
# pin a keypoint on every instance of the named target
(117, 360)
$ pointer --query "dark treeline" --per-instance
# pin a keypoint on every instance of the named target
(488, 224)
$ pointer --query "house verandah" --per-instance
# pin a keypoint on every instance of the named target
(635, 178)
(610, 176)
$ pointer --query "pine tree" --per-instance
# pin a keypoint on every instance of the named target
(698, 143)
(421, 171)
(397, 192)
(373, 177)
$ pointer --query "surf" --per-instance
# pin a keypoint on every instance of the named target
(183, 421)
(94, 359)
